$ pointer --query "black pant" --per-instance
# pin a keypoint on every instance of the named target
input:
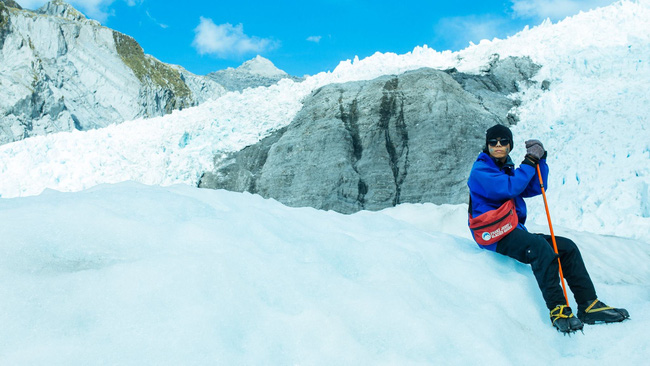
(537, 250)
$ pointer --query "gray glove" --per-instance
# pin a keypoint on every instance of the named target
(535, 149)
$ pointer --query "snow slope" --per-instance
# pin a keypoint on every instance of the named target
(130, 274)
(593, 121)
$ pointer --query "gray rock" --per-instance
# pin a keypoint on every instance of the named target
(498, 80)
(375, 144)
(240, 172)
(59, 8)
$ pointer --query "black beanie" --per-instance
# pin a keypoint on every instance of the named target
(498, 131)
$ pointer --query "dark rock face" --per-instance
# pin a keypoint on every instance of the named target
(3, 23)
(375, 144)
(11, 4)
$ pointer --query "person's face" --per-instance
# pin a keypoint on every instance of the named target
(499, 148)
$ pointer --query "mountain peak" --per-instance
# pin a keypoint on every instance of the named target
(60, 8)
(11, 4)
(258, 71)
(261, 66)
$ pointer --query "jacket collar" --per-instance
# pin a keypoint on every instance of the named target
(487, 158)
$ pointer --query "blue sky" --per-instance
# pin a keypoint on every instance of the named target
(312, 36)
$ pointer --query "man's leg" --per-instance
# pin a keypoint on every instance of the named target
(573, 269)
(534, 250)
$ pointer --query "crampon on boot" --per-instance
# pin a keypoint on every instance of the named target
(564, 321)
(598, 312)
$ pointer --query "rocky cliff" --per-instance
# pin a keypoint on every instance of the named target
(375, 144)
(11, 4)
(60, 71)
(251, 74)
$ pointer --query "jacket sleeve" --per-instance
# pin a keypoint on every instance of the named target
(533, 188)
(496, 185)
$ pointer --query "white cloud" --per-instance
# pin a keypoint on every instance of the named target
(161, 25)
(459, 31)
(553, 9)
(94, 9)
(315, 39)
(226, 40)
(31, 4)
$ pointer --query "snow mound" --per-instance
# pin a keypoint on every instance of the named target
(132, 274)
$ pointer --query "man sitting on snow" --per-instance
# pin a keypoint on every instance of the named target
(497, 214)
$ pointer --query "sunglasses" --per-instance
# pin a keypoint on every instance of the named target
(493, 142)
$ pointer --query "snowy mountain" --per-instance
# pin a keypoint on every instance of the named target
(60, 72)
(260, 66)
(253, 73)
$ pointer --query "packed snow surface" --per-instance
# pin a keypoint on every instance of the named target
(129, 274)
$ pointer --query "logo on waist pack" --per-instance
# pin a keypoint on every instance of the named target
(496, 233)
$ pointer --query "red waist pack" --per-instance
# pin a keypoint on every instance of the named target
(494, 225)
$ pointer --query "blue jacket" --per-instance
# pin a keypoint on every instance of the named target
(490, 185)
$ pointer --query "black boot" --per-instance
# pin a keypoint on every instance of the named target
(597, 312)
(564, 320)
